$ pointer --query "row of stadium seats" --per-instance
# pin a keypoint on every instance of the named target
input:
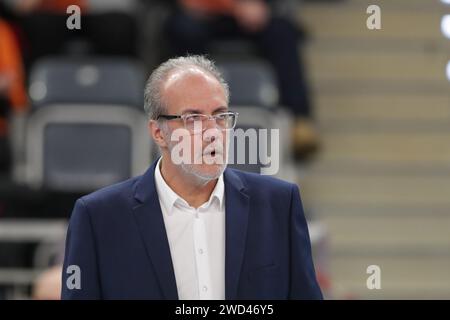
(87, 127)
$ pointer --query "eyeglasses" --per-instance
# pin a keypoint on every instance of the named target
(197, 122)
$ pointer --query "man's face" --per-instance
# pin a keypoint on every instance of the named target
(193, 91)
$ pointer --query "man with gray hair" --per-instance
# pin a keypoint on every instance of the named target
(189, 228)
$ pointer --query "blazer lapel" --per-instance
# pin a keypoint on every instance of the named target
(151, 226)
(236, 220)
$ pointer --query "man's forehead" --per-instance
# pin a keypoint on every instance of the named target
(192, 89)
(190, 109)
(188, 75)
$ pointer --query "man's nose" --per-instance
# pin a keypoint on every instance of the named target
(212, 131)
(211, 124)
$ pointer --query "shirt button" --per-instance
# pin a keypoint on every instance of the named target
(205, 288)
(200, 251)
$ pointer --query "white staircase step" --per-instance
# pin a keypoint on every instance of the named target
(368, 189)
(397, 22)
(401, 277)
(382, 107)
(390, 148)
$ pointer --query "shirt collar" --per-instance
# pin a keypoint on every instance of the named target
(168, 198)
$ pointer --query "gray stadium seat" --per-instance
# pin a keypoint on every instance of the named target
(93, 80)
(251, 117)
(254, 95)
(79, 148)
(252, 82)
(243, 151)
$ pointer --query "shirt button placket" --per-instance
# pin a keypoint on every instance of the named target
(203, 272)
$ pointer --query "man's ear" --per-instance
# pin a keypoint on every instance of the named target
(155, 131)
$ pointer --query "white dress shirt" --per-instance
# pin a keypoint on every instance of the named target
(196, 240)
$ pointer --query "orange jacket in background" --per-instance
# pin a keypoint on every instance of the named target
(60, 6)
(11, 63)
(210, 6)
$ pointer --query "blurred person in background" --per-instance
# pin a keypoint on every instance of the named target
(13, 98)
(13, 101)
(195, 23)
(48, 285)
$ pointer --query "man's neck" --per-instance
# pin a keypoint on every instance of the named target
(195, 194)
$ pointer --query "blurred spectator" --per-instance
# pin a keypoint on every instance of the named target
(107, 27)
(12, 88)
(48, 284)
(196, 23)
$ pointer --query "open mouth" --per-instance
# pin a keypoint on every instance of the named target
(213, 155)
(212, 152)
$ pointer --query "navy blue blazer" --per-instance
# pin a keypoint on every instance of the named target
(116, 236)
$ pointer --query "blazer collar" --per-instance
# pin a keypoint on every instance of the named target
(149, 219)
(236, 220)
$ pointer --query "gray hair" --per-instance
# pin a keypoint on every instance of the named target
(154, 105)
